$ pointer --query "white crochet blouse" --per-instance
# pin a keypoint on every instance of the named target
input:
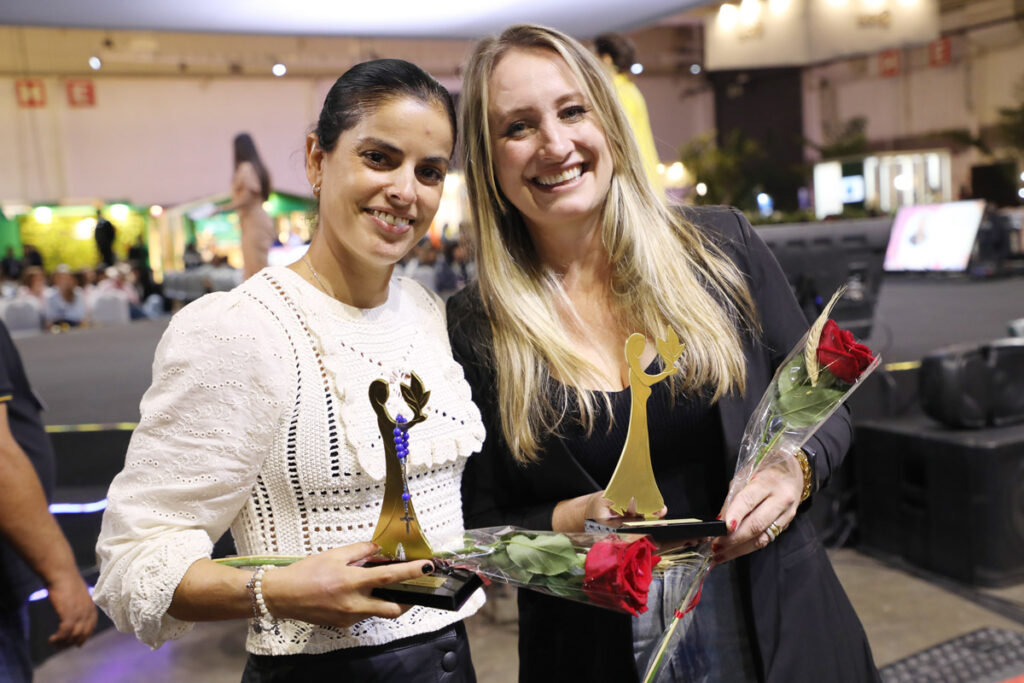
(258, 419)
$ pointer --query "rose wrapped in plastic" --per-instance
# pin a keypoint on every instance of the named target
(617, 573)
(606, 570)
(602, 569)
(817, 376)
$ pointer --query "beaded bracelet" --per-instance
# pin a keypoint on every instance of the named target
(262, 619)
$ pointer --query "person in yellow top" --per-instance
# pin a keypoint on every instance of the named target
(618, 54)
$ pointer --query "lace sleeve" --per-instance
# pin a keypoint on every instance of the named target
(221, 379)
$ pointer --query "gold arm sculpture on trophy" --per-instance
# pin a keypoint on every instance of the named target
(398, 531)
(633, 479)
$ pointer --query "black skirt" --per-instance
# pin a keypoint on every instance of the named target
(438, 657)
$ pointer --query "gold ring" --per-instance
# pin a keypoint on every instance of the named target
(773, 531)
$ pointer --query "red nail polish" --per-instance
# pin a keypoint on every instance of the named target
(734, 524)
(718, 516)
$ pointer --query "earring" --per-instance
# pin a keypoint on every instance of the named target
(316, 190)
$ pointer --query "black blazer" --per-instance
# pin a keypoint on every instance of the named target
(803, 624)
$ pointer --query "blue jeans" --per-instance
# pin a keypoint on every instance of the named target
(15, 659)
(715, 647)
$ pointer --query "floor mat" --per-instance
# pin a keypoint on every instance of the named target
(988, 655)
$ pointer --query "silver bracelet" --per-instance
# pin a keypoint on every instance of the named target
(262, 619)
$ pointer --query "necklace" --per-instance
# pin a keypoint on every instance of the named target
(305, 259)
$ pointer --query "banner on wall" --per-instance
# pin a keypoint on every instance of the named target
(81, 93)
(764, 33)
(31, 93)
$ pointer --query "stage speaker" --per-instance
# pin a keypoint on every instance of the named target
(950, 501)
(974, 385)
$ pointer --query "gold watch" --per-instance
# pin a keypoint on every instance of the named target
(805, 467)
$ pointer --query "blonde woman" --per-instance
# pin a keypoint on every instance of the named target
(576, 251)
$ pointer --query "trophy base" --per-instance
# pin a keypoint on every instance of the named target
(446, 589)
(660, 529)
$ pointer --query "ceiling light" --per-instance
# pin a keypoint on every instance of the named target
(728, 15)
(675, 172)
(695, 69)
(637, 68)
(750, 11)
(279, 69)
(156, 211)
(702, 189)
(118, 212)
(95, 63)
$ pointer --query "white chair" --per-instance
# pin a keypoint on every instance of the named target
(23, 314)
(174, 285)
(225, 279)
(153, 306)
(110, 308)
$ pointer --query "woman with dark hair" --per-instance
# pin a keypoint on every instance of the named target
(576, 251)
(250, 187)
(258, 420)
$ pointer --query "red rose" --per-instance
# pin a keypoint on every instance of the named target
(841, 354)
(618, 574)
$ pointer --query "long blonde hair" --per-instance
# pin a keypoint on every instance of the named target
(664, 271)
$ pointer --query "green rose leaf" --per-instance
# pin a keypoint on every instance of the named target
(548, 555)
(805, 406)
(559, 586)
(793, 375)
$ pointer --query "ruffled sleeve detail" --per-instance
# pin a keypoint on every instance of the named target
(222, 381)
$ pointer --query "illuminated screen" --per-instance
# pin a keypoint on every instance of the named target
(934, 237)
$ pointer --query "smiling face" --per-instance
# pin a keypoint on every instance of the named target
(381, 184)
(551, 157)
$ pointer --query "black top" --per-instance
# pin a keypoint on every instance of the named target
(685, 442)
(804, 626)
(17, 581)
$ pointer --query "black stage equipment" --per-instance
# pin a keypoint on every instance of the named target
(974, 385)
(818, 258)
(949, 501)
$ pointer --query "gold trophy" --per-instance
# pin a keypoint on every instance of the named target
(398, 531)
(633, 489)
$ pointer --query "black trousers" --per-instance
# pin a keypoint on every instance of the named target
(437, 657)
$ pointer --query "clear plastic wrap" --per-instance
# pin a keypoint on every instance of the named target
(817, 376)
(607, 570)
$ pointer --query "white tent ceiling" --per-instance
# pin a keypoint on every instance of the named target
(394, 18)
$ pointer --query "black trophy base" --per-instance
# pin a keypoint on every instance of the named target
(660, 529)
(446, 589)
